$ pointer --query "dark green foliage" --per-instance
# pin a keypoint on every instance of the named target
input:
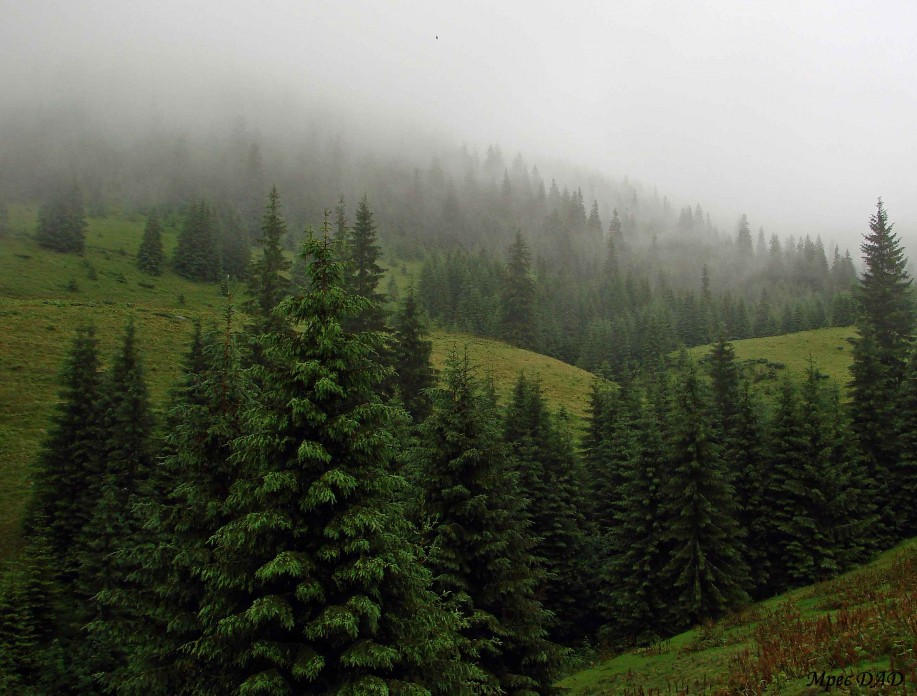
(364, 271)
(517, 296)
(66, 475)
(724, 375)
(168, 564)
(551, 479)
(414, 374)
(482, 552)
(634, 599)
(608, 458)
(127, 461)
(750, 469)
(150, 255)
(315, 585)
(701, 533)
(852, 517)
(267, 285)
(820, 503)
(905, 481)
(735, 420)
(62, 222)
(29, 610)
(197, 252)
(886, 328)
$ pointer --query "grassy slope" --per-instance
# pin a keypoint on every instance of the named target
(563, 384)
(38, 316)
(853, 623)
(769, 358)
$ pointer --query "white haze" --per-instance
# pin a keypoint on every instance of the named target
(798, 114)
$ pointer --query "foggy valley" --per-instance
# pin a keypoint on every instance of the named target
(457, 348)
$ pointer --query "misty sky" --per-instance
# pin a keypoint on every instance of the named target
(797, 113)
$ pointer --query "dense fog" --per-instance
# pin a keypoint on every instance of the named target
(798, 116)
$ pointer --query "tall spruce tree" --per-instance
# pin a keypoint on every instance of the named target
(127, 461)
(66, 476)
(820, 504)
(267, 284)
(316, 586)
(197, 253)
(751, 477)
(168, 565)
(701, 532)
(633, 602)
(551, 479)
(735, 419)
(517, 297)
(852, 517)
(786, 448)
(482, 550)
(414, 374)
(364, 270)
(150, 255)
(885, 325)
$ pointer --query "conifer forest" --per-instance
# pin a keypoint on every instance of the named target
(299, 396)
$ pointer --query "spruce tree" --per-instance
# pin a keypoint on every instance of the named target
(267, 285)
(736, 428)
(168, 565)
(743, 240)
(62, 222)
(364, 270)
(820, 504)
(633, 600)
(886, 329)
(196, 253)
(127, 461)
(414, 374)
(482, 552)
(852, 518)
(600, 398)
(551, 479)
(751, 477)
(785, 499)
(30, 617)
(517, 297)
(66, 476)
(705, 568)
(316, 585)
(724, 375)
(610, 461)
(150, 255)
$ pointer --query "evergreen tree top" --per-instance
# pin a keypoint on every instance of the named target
(267, 284)
(885, 284)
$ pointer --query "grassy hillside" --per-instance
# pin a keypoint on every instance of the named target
(769, 358)
(863, 622)
(45, 296)
(563, 384)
